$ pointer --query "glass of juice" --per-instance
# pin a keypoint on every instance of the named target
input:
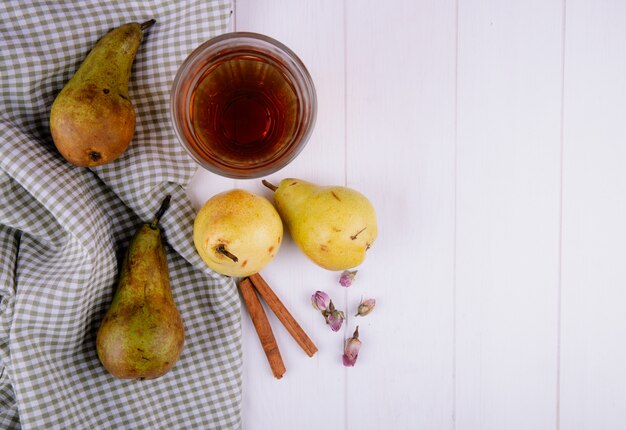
(243, 105)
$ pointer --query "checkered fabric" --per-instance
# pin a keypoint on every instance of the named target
(64, 229)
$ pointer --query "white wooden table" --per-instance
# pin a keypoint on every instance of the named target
(491, 138)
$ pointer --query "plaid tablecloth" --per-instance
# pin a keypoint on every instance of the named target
(63, 230)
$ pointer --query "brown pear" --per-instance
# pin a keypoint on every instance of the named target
(141, 335)
(92, 120)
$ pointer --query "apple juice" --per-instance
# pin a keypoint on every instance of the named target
(243, 105)
(244, 109)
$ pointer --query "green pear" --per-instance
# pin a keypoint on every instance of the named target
(334, 226)
(141, 335)
(92, 120)
(237, 233)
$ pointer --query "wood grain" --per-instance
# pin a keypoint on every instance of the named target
(490, 138)
(593, 323)
(400, 60)
(315, 32)
(508, 214)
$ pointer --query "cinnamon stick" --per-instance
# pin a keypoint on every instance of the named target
(283, 314)
(263, 328)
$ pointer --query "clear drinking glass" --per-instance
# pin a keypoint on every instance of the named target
(243, 105)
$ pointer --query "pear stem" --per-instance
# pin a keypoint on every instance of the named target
(353, 237)
(146, 25)
(161, 211)
(222, 250)
(269, 185)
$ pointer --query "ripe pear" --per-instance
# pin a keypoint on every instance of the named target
(141, 335)
(92, 119)
(334, 226)
(237, 233)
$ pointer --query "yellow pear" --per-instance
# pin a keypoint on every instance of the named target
(334, 226)
(237, 233)
(92, 120)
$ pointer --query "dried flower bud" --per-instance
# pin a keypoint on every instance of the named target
(333, 317)
(365, 307)
(320, 300)
(335, 320)
(346, 278)
(351, 349)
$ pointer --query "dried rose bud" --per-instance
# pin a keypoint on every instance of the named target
(351, 349)
(346, 278)
(335, 320)
(333, 317)
(320, 300)
(365, 307)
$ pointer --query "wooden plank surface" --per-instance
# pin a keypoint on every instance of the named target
(508, 214)
(312, 387)
(400, 75)
(593, 323)
(490, 138)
